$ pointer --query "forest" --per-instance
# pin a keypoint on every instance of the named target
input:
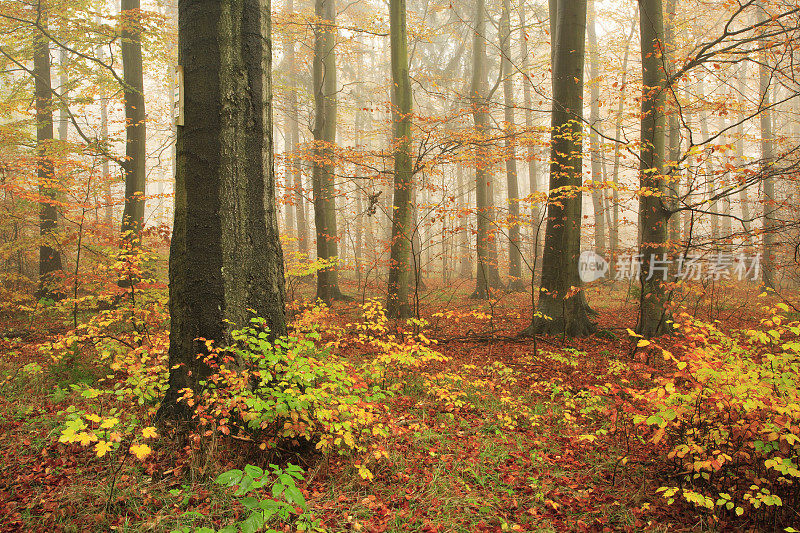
(412, 265)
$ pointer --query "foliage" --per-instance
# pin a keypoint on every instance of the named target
(727, 421)
(284, 502)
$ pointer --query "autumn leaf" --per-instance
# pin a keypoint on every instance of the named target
(140, 450)
(149, 432)
(102, 447)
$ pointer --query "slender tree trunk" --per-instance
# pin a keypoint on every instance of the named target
(400, 257)
(562, 307)
(225, 255)
(653, 215)
(488, 273)
(533, 166)
(744, 204)
(49, 255)
(615, 226)
(709, 168)
(512, 185)
(295, 175)
(135, 132)
(674, 152)
(63, 87)
(767, 160)
(324, 86)
(594, 123)
(465, 254)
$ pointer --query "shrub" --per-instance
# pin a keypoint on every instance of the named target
(727, 422)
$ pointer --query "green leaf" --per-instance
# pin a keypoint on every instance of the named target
(231, 477)
(295, 496)
(253, 471)
(253, 523)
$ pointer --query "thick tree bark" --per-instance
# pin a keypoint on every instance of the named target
(653, 215)
(49, 256)
(324, 88)
(562, 307)
(594, 127)
(488, 273)
(400, 258)
(225, 258)
(135, 132)
(512, 185)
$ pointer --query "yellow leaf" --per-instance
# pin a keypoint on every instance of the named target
(86, 438)
(102, 448)
(149, 432)
(109, 423)
(642, 343)
(141, 451)
(93, 418)
(681, 365)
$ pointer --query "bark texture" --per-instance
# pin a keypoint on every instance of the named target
(225, 258)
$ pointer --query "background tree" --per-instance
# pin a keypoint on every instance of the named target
(49, 254)
(400, 260)
(134, 165)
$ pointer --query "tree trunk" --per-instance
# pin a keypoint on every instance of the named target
(744, 204)
(615, 226)
(225, 256)
(488, 273)
(49, 255)
(135, 133)
(533, 166)
(562, 307)
(674, 152)
(324, 87)
(594, 127)
(512, 185)
(767, 160)
(465, 254)
(400, 258)
(653, 215)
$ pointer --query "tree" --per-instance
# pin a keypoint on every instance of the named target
(594, 127)
(562, 306)
(225, 256)
(400, 260)
(294, 174)
(488, 274)
(514, 257)
(134, 165)
(49, 255)
(324, 87)
(653, 214)
(767, 156)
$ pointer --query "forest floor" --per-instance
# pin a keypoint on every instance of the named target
(460, 457)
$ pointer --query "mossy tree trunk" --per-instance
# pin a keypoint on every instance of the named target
(226, 260)
(400, 260)
(653, 214)
(324, 88)
(562, 307)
